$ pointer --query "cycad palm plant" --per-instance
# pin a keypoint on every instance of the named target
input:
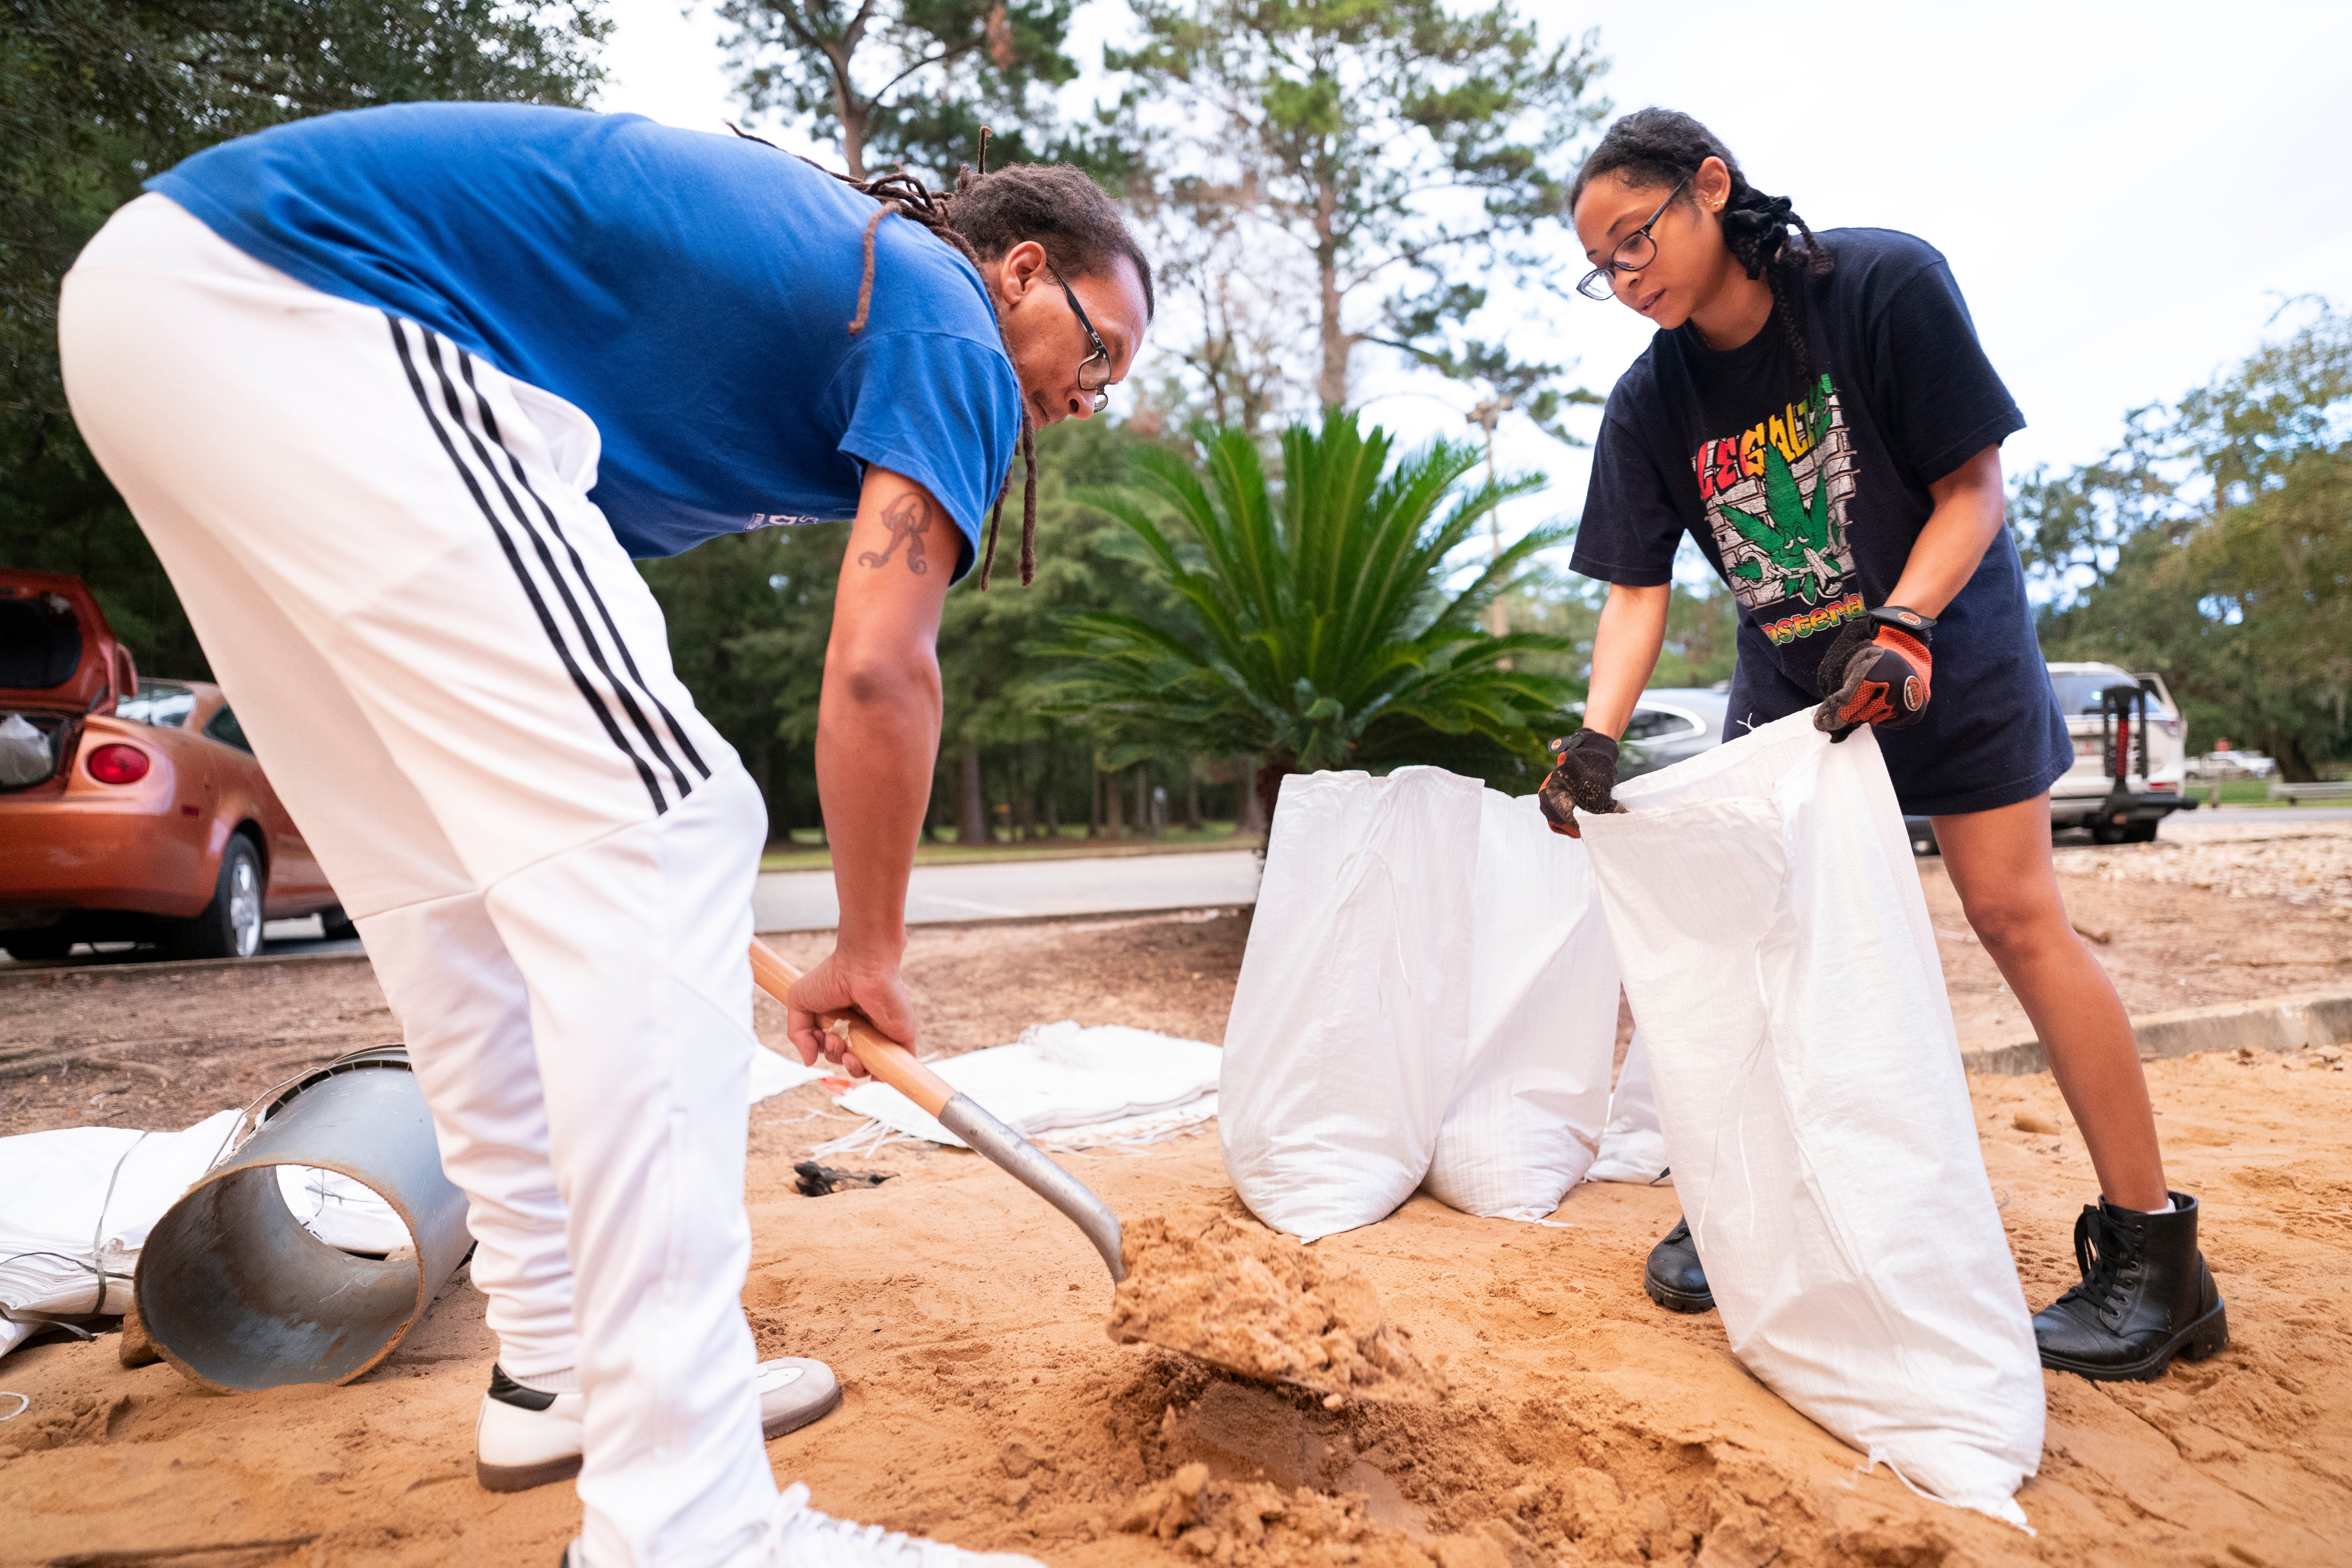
(1314, 627)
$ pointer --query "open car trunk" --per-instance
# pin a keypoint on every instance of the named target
(58, 664)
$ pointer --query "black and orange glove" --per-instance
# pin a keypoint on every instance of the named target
(1583, 775)
(1875, 672)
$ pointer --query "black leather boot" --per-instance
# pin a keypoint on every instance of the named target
(1673, 1277)
(2145, 1297)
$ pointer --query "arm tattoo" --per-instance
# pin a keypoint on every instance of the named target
(907, 518)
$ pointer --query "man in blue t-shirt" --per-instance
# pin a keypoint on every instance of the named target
(395, 395)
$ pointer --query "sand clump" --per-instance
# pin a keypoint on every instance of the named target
(1259, 1303)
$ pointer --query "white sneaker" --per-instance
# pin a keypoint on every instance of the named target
(797, 1536)
(524, 1438)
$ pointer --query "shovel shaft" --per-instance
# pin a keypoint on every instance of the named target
(894, 1065)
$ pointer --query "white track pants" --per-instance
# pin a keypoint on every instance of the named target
(461, 689)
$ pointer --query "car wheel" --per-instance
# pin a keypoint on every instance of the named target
(2139, 833)
(336, 926)
(54, 943)
(230, 926)
(2107, 833)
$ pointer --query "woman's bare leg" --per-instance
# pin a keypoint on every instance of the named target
(2000, 862)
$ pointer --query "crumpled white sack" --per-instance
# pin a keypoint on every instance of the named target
(75, 1205)
(1532, 1092)
(25, 756)
(1776, 947)
(343, 1212)
(1056, 1075)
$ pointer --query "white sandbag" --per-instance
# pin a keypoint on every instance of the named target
(343, 1212)
(1528, 1106)
(1633, 1144)
(1352, 1012)
(1776, 950)
(24, 757)
(75, 1205)
(1056, 1075)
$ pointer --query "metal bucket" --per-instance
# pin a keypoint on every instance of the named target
(239, 1294)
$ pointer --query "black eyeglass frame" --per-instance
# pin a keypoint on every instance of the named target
(1098, 385)
(1616, 262)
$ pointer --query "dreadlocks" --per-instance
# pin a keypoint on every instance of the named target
(983, 216)
(1660, 147)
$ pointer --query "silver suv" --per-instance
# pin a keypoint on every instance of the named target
(2155, 763)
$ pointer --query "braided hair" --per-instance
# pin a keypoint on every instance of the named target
(1662, 147)
(984, 215)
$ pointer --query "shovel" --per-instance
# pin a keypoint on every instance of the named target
(894, 1065)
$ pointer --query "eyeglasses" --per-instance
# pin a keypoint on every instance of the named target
(1094, 372)
(1633, 252)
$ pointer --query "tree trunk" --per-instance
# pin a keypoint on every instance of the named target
(1094, 800)
(1249, 810)
(1269, 786)
(971, 810)
(1025, 796)
(1192, 798)
(1114, 808)
(1331, 383)
(1144, 825)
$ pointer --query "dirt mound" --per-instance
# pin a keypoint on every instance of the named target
(1259, 1303)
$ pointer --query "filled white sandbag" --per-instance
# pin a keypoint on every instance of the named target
(75, 1205)
(1776, 947)
(24, 757)
(1633, 1145)
(1056, 1075)
(1352, 1012)
(1532, 1093)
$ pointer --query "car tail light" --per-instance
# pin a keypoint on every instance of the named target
(2173, 727)
(117, 764)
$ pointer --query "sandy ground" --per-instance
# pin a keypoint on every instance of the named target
(986, 1404)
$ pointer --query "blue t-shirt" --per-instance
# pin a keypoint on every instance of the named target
(691, 293)
(1807, 500)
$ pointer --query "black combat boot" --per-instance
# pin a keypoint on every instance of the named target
(2145, 1297)
(1673, 1277)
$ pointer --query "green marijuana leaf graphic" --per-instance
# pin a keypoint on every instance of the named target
(1794, 536)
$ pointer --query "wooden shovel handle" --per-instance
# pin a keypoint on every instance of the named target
(886, 1058)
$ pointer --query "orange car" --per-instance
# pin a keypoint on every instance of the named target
(131, 810)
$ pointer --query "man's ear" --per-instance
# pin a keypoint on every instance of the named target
(1021, 269)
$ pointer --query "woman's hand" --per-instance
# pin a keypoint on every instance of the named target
(841, 984)
(1878, 679)
(1583, 775)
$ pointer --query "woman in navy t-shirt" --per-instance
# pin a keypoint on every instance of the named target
(1816, 412)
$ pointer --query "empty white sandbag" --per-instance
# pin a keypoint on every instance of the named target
(1776, 948)
(1533, 1089)
(1352, 1012)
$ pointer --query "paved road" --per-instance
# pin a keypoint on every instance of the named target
(803, 901)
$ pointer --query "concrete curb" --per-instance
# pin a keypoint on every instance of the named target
(2281, 1024)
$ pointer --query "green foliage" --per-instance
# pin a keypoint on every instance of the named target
(96, 95)
(2215, 546)
(1352, 129)
(1313, 623)
(908, 80)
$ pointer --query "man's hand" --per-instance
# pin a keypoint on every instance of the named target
(1583, 778)
(843, 984)
(1879, 678)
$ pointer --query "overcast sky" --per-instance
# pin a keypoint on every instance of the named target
(2125, 191)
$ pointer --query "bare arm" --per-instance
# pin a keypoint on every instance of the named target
(878, 736)
(1624, 651)
(1949, 549)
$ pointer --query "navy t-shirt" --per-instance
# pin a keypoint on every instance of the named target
(1807, 498)
(691, 293)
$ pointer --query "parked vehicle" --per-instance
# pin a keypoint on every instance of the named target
(2119, 799)
(2225, 763)
(1671, 723)
(131, 810)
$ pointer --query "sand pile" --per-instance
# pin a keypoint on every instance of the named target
(1232, 1292)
